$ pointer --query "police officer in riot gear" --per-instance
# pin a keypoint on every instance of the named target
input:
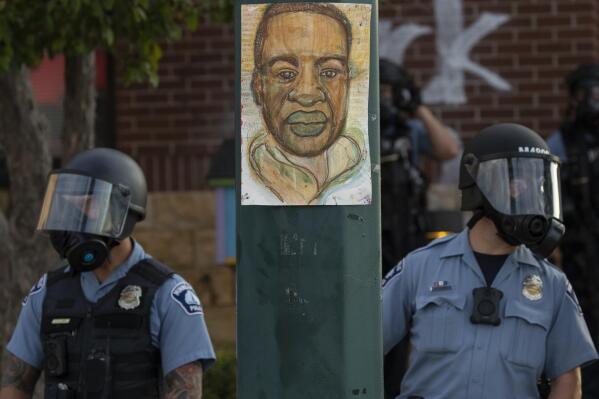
(403, 196)
(408, 130)
(485, 312)
(577, 144)
(112, 322)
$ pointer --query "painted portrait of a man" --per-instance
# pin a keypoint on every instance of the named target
(304, 151)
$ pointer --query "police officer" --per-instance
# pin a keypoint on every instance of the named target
(485, 312)
(113, 322)
(408, 130)
(577, 144)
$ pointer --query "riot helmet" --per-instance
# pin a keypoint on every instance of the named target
(92, 204)
(583, 87)
(508, 175)
(399, 98)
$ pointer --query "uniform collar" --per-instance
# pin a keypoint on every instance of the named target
(137, 255)
(525, 255)
(460, 245)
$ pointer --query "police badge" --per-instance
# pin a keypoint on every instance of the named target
(130, 297)
(532, 287)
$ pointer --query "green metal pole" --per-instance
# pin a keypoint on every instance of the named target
(308, 283)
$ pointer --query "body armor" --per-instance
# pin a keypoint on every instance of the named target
(403, 201)
(104, 349)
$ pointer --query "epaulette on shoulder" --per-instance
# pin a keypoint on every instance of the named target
(153, 270)
(57, 275)
(436, 242)
(547, 264)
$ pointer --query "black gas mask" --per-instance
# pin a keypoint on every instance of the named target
(400, 97)
(84, 252)
(84, 218)
(520, 194)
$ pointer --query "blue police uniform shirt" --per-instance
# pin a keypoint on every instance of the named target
(177, 325)
(429, 296)
(556, 145)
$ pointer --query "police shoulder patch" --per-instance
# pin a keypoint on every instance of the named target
(35, 289)
(393, 272)
(186, 297)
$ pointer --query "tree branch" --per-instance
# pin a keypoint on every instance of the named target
(79, 103)
(23, 141)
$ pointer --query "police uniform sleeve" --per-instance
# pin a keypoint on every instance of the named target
(569, 343)
(179, 327)
(26, 343)
(397, 292)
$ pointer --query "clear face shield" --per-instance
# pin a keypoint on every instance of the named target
(520, 185)
(83, 204)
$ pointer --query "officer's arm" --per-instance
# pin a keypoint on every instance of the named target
(184, 382)
(18, 378)
(567, 385)
(444, 144)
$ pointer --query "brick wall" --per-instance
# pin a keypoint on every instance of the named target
(540, 42)
(174, 129)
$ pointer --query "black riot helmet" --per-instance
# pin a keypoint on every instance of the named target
(92, 204)
(583, 87)
(508, 175)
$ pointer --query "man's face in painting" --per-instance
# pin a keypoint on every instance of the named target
(303, 80)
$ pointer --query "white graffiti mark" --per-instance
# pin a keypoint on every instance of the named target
(394, 42)
(453, 48)
(453, 43)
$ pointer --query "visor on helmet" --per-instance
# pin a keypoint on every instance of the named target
(519, 185)
(84, 204)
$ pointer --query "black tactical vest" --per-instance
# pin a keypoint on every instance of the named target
(101, 350)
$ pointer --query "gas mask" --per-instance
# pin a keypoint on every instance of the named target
(84, 218)
(521, 195)
(84, 252)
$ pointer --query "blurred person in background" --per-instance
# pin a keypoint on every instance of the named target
(577, 144)
(409, 130)
(112, 322)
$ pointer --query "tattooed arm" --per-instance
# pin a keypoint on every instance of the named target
(18, 378)
(184, 382)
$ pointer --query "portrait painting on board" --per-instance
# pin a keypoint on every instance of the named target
(304, 104)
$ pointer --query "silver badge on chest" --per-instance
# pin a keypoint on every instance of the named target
(130, 297)
(532, 287)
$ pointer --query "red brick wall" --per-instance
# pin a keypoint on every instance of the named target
(533, 50)
(174, 129)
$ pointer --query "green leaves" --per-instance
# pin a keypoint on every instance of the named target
(108, 36)
(30, 29)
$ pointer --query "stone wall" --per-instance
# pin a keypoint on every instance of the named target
(180, 231)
